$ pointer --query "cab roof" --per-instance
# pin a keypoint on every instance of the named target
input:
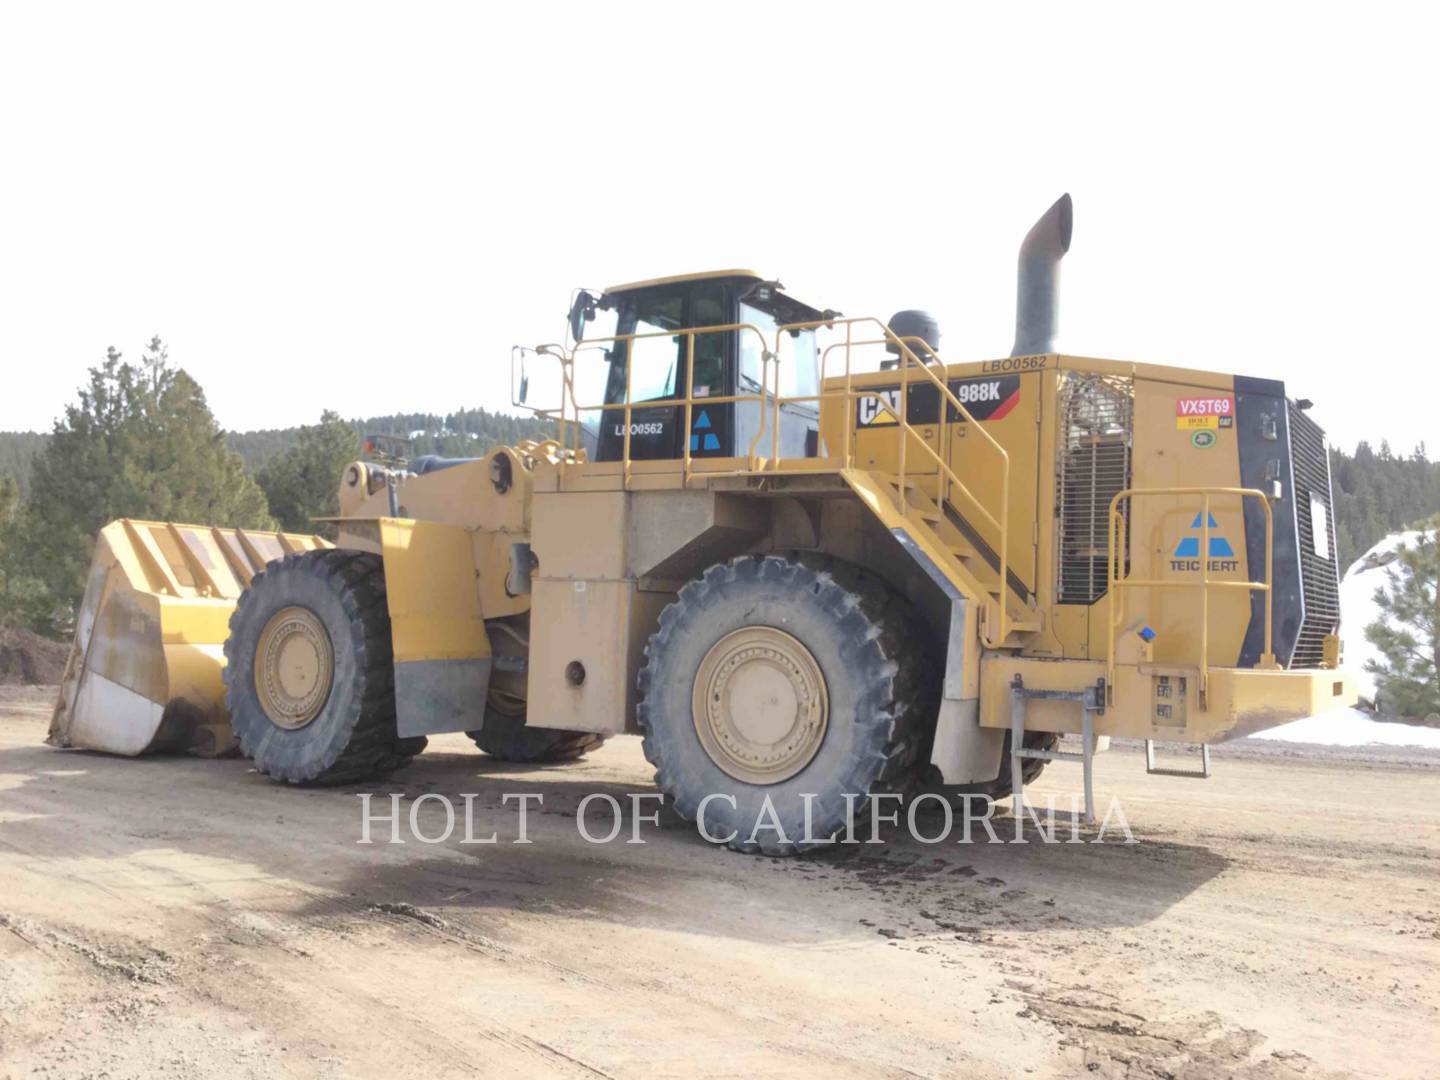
(780, 304)
(676, 279)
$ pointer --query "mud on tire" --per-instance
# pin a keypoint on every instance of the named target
(352, 737)
(881, 681)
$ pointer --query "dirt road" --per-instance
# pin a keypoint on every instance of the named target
(188, 918)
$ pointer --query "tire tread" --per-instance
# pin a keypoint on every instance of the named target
(881, 623)
(374, 747)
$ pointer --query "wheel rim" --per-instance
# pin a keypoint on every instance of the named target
(505, 703)
(294, 667)
(760, 705)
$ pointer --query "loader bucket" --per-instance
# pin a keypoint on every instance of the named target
(144, 670)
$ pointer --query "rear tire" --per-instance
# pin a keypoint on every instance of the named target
(324, 612)
(833, 690)
(506, 737)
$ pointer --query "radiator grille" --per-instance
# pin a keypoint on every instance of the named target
(1319, 567)
(1096, 415)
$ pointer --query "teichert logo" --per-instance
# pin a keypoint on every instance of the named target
(702, 435)
(1221, 556)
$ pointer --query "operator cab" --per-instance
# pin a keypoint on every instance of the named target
(728, 364)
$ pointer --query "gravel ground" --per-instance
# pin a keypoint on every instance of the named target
(179, 917)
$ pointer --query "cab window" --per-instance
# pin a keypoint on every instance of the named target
(709, 309)
(797, 356)
(752, 348)
(799, 365)
(654, 360)
(591, 369)
(658, 361)
(655, 363)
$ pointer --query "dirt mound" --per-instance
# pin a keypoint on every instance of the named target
(27, 659)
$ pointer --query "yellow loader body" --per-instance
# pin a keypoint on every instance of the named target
(757, 519)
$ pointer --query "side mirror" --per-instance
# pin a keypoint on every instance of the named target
(524, 380)
(582, 310)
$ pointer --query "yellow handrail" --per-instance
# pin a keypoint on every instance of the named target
(567, 361)
(1118, 579)
(910, 360)
(903, 427)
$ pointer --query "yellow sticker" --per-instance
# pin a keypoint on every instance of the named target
(1197, 423)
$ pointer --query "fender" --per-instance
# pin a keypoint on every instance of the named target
(437, 627)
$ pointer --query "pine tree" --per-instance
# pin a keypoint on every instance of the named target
(9, 505)
(1408, 631)
(1378, 493)
(141, 443)
(9, 498)
(23, 600)
(303, 482)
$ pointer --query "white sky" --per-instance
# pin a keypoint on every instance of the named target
(362, 208)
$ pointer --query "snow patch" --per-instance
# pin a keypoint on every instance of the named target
(1352, 727)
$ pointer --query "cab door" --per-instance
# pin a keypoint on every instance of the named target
(656, 363)
(651, 367)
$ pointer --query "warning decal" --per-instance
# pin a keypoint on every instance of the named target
(1202, 413)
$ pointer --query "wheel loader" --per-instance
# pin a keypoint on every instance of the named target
(804, 556)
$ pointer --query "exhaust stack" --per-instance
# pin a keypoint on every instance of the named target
(1037, 301)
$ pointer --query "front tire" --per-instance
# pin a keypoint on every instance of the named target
(309, 674)
(770, 680)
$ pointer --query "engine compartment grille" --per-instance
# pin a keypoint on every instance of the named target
(1319, 562)
(1097, 425)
